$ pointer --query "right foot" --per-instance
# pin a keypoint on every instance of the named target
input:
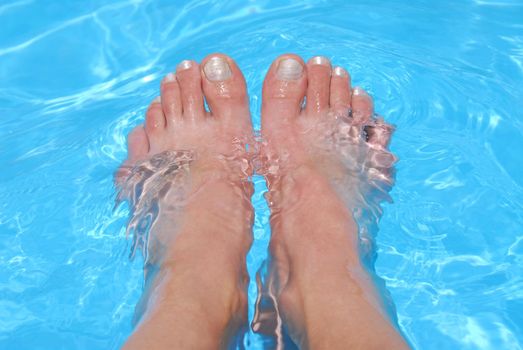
(318, 160)
(333, 135)
(332, 144)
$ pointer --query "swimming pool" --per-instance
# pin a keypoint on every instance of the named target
(75, 77)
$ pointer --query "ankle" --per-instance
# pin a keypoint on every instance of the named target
(185, 293)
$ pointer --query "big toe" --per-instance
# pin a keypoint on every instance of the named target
(283, 91)
(225, 90)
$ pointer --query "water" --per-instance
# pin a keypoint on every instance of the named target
(75, 77)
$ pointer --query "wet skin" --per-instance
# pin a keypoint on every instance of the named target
(197, 300)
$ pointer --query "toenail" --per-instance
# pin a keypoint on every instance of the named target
(185, 64)
(217, 69)
(289, 69)
(158, 99)
(324, 61)
(170, 77)
(340, 72)
(358, 91)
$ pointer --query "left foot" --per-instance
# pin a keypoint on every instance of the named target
(178, 120)
(195, 255)
(212, 145)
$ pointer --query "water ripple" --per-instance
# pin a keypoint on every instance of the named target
(75, 78)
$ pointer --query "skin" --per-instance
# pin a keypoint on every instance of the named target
(326, 297)
(197, 300)
(200, 288)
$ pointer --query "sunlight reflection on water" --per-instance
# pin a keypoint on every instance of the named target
(75, 77)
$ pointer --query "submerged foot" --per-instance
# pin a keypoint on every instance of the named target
(324, 151)
(178, 119)
(314, 122)
(186, 178)
(323, 134)
(181, 146)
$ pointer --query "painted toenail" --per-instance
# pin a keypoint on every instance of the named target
(170, 77)
(289, 69)
(186, 64)
(324, 61)
(358, 91)
(217, 69)
(340, 72)
(158, 99)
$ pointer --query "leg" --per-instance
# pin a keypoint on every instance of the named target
(195, 296)
(325, 295)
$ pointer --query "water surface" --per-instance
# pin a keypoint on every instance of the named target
(75, 77)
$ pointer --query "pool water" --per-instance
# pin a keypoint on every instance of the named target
(76, 76)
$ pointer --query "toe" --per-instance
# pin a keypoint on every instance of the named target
(137, 149)
(283, 90)
(224, 88)
(362, 106)
(155, 124)
(379, 134)
(189, 78)
(137, 144)
(318, 89)
(340, 92)
(171, 99)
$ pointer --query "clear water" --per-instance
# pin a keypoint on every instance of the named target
(75, 77)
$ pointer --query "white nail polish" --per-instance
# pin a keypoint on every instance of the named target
(324, 61)
(186, 64)
(170, 77)
(157, 99)
(289, 69)
(358, 91)
(217, 69)
(340, 72)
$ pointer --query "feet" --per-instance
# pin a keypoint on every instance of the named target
(317, 158)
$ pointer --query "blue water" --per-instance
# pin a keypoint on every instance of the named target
(76, 76)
